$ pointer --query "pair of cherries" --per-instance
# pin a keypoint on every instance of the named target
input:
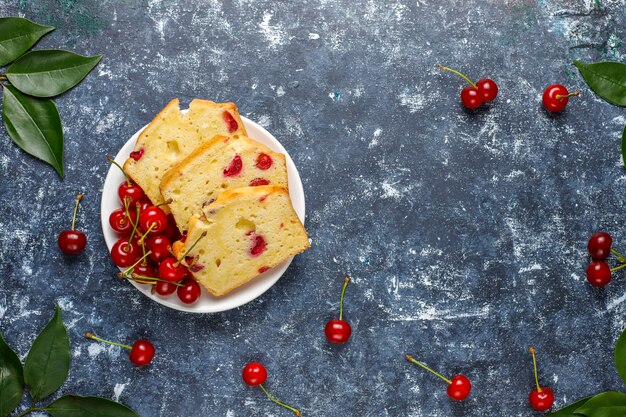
(141, 352)
(599, 272)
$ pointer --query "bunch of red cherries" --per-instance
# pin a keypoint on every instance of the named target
(599, 272)
(146, 233)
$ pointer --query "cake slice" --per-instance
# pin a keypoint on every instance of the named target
(246, 232)
(171, 136)
(218, 165)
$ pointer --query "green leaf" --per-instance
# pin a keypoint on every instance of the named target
(75, 406)
(34, 125)
(607, 404)
(624, 147)
(568, 411)
(606, 79)
(11, 379)
(18, 35)
(620, 349)
(48, 361)
(50, 72)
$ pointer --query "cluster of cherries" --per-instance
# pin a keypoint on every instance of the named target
(599, 272)
(144, 245)
(555, 96)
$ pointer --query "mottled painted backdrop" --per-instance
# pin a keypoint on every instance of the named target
(465, 233)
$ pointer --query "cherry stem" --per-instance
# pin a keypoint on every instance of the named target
(78, 198)
(533, 352)
(130, 269)
(562, 96)
(617, 268)
(168, 201)
(143, 279)
(143, 237)
(30, 410)
(288, 407)
(620, 257)
(132, 235)
(111, 160)
(411, 359)
(459, 74)
(90, 335)
(343, 293)
(191, 248)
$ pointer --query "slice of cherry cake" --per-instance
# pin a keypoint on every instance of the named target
(172, 135)
(221, 164)
(246, 232)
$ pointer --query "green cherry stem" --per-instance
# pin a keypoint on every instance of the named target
(129, 270)
(143, 279)
(78, 198)
(343, 293)
(533, 352)
(166, 202)
(620, 257)
(459, 74)
(411, 359)
(178, 261)
(288, 407)
(111, 160)
(143, 237)
(617, 268)
(132, 235)
(90, 335)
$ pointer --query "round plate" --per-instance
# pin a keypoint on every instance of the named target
(207, 302)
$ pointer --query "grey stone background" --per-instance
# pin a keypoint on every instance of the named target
(465, 232)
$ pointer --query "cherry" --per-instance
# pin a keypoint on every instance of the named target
(136, 155)
(258, 181)
(125, 252)
(172, 270)
(484, 91)
(153, 220)
(254, 374)
(165, 288)
(541, 399)
(73, 242)
(264, 161)
(159, 247)
(258, 245)
(141, 352)
(189, 292)
(459, 387)
(598, 273)
(599, 246)
(339, 331)
(171, 231)
(121, 220)
(556, 96)
(128, 192)
(145, 269)
(235, 167)
(231, 123)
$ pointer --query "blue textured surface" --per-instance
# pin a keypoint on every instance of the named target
(465, 233)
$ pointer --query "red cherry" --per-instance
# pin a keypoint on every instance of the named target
(120, 222)
(235, 167)
(145, 269)
(130, 192)
(555, 97)
(142, 352)
(153, 220)
(125, 252)
(159, 247)
(599, 246)
(144, 204)
(164, 288)
(487, 89)
(230, 121)
(72, 241)
(254, 374)
(337, 331)
(189, 292)
(459, 387)
(171, 231)
(136, 155)
(598, 273)
(258, 245)
(264, 161)
(258, 181)
(171, 270)
(471, 98)
(541, 401)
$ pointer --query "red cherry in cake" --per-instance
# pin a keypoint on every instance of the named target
(599, 246)
(231, 123)
(165, 288)
(254, 374)
(159, 247)
(264, 161)
(556, 96)
(125, 252)
(234, 168)
(472, 96)
(258, 245)
(72, 241)
(258, 181)
(459, 387)
(136, 155)
(189, 292)
(542, 398)
(141, 352)
(172, 270)
(153, 220)
(598, 273)
(339, 331)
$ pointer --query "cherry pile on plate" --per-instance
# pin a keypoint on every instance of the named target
(145, 234)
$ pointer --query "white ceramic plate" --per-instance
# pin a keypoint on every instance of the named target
(207, 302)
